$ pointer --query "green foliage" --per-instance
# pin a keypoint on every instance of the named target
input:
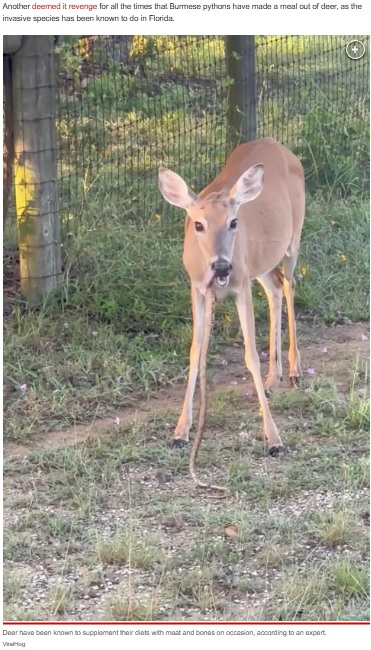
(124, 278)
(123, 242)
(132, 273)
(166, 104)
(335, 153)
(335, 258)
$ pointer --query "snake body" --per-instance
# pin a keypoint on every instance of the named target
(208, 325)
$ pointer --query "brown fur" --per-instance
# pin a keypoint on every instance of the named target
(269, 223)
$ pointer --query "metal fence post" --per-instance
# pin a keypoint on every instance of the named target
(241, 69)
(35, 167)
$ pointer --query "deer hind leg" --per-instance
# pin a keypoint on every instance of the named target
(245, 310)
(289, 263)
(181, 434)
(272, 284)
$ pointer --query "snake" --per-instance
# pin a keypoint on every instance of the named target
(208, 326)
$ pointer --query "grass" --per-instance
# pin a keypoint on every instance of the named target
(123, 329)
(59, 599)
(124, 548)
(122, 608)
(290, 541)
(101, 521)
(351, 579)
(184, 94)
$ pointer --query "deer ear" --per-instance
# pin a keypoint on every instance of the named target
(249, 185)
(175, 190)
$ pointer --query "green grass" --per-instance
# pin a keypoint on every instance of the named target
(119, 541)
(122, 608)
(103, 523)
(123, 548)
(123, 328)
(119, 128)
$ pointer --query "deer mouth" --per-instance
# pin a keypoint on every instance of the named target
(211, 279)
(222, 282)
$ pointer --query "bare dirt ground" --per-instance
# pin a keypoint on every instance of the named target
(102, 522)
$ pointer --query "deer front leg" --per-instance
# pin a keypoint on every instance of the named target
(181, 434)
(245, 310)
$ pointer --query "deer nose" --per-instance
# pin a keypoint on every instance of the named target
(221, 268)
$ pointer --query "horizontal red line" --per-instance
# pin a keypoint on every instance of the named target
(160, 623)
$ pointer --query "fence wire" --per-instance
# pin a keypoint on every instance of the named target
(127, 105)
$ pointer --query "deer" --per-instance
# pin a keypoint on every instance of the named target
(245, 225)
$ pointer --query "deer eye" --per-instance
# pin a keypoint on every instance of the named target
(199, 227)
(233, 224)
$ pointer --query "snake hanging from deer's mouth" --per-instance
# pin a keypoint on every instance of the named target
(208, 326)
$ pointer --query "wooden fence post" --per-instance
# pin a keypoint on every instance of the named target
(10, 45)
(241, 68)
(35, 167)
(8, 154)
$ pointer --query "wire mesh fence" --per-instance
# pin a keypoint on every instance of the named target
(130, 104)
(126, 105)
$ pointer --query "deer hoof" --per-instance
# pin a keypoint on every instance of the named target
(275, 451)
(178, 443)
(271, 385)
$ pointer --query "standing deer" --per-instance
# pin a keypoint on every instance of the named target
(240, 228)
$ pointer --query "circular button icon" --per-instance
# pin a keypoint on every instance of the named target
(355, 50)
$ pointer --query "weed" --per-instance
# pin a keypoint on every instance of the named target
(351, 580)
(59, 599)
(300, 596)
(12, 585)
(122, 608)
(16, 613)
(125, 548)
(289, 541)
(335, 528)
